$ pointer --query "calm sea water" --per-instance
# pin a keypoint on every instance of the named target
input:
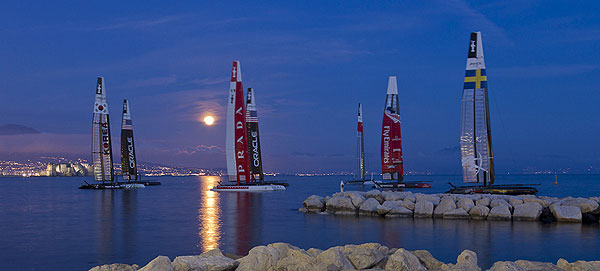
(48, 224)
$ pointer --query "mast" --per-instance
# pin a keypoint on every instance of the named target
(236, 145)
(101, 142)
(476, 136)
(392, 167)
(360, 144)
(128, 161)
(254, 153)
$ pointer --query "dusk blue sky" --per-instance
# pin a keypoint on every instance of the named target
(310, 63)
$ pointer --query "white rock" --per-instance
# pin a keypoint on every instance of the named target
(356, 197)
(314, 203)
(479, 212)
(408, 204)
(466, 204)
(299, 260)
(532, 265)
(335, 256)
(314, 252)
(586, 205)
(428, 260)
(507, 266)
(113, 267)
(423, 208)
(390, 196)
(483, 202)
(432, 198)
(365, 256)
(514, 201)
(399, 211)
(387, 206)
(160, 263)
(500, 212)
(403, 260)
(498, 202)
(445, 205)
(566, 213)
(376, 194)
(456, 214)
(527, 211)
(369, 207)
(283, 248)
(341, 205)
(212, 260)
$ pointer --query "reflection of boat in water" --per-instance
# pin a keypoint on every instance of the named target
(244, 162)
(476, 136)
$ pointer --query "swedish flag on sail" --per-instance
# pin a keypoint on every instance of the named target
(475, 79)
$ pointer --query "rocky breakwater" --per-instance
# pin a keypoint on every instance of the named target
(456, 206)
(369, 256)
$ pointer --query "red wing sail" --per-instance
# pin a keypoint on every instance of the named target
(241, 140)
(392, 166)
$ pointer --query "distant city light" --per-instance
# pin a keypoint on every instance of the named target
(209, 120)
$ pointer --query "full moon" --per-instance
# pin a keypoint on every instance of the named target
(209, 120)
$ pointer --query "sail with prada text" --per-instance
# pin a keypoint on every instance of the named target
(236, 145)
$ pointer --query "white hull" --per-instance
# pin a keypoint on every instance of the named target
(248, 188)
(132, 185)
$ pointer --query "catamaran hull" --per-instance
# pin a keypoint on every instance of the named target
(499, 190)
(100, 186)
(248, 188)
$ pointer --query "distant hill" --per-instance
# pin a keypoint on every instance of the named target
(16, 129)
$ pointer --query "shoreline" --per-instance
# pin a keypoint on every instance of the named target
(368, 256)
(390, 204)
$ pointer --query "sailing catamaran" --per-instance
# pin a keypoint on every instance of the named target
(236, 145)
(128, 161)
(392, 165)
(475, 136)
(360, 147)
(102, 159)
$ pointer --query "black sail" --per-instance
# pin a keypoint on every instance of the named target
(254, 154)
(128, 161)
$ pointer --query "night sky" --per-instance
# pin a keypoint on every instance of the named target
(310, 63)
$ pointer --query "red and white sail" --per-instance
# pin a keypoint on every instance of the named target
(392, 167)
(236, 145)
(360, 145)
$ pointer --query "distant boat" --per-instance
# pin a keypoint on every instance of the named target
(236, 145)
(392, 164)
(102, 158)
(360, 157)
(128, 159)
(475, 133)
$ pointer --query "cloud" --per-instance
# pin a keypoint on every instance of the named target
(16, 129)
(200, 149)
(476, 19)
(141, 24)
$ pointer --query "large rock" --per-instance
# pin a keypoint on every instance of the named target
(499, 202)
(160, 263)
(213, 260)
(113, 267)
(467, 260)
(260, 258)
(578, 265)
(283, 248)
(527, 211)
(391, 196)
(485, 201)
(335, 256)
(445, 205)
(500, 212)
(314, 252)
(532, 198)
(507, 266)
(423, 208)
(403, 260)
(298, 260)
(456, 214)
(341, 205)
(479, 212)
(399, 211)
(365, 256)
(369, 207)
(566, 213)
(314, 203)
(532, 265)
(586, 205)
(428, 260)
(514, 201)
(466, 204)
(408, 204)
(375, 194)
(356, 197)
(387, 206)
(432, 198)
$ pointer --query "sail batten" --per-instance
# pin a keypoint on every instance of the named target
(392, 166)
(360, 144)
(128, 160)
(254, 149)
(102, 159)
(475, 138)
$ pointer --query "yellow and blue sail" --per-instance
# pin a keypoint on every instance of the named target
(475, 79)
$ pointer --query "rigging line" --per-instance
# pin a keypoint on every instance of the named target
(505, 134)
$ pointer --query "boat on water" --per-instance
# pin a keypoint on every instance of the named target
(360, 157)
(475, 133)
(244, 163)
(392, 164)
(102, 158)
